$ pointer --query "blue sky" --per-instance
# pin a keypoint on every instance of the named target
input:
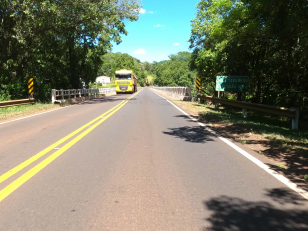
(163, 28)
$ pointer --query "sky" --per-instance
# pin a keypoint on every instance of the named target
(163, 28)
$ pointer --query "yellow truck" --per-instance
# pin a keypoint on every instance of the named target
(125, 81)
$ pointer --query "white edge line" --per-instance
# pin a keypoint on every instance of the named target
(275, 174)
(33, 115)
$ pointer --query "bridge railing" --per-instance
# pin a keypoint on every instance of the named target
(69, 94)
(184, 91)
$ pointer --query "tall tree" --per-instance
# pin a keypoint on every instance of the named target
(266, 40)
(58, 42)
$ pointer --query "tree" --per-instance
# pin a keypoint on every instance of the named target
(116, 61)
(175, 72)
(59, 43)
(266, 40)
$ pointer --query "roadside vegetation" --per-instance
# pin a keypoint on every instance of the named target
(58, 43)
(175, 71)
(265, 40)
(11, 113)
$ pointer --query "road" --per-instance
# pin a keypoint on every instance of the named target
(144, 166)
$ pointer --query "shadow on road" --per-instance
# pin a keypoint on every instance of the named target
(285, 196)
(187, 118)
(235, 214)
(191, 134)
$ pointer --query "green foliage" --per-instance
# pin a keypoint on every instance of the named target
(265, 40)
(4, 95)
(175, 72)
(95, 85)
(58, 43)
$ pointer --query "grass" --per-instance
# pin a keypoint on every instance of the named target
(281, 166)
(268, 126)
(10, 113)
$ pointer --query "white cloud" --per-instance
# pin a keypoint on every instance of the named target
(140, 51)
(176, 44)
(158, 25)
(142, 11)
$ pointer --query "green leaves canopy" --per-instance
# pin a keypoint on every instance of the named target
(59, 43)
(175, 72)
(266, 40)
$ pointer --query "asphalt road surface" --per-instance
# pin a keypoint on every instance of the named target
(141, 166)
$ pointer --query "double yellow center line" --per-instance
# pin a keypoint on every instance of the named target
(25, 177)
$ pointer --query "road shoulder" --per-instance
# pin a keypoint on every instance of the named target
(271, 162)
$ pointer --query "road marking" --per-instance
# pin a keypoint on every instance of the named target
(275, 174)
(51, 147)
(25, 177)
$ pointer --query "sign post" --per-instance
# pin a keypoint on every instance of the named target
(232, 83)
(217, 104)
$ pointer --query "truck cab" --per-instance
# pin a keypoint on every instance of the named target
(125, 81)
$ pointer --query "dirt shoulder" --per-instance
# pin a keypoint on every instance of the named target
(284, 150)
(16, 112)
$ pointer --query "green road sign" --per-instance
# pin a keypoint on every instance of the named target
(232, 83)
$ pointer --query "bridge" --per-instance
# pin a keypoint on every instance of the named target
(137, 162)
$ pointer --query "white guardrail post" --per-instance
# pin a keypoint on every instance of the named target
(53, 95)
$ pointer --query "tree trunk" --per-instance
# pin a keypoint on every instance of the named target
(72, 59)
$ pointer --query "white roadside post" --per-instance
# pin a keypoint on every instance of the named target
(53, 95)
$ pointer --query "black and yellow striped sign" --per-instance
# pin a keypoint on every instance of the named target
(198, 83)
(30, 86)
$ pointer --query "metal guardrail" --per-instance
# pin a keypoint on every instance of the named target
(185, 91)
(18, 102)
(63, 95)
(287, 112)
